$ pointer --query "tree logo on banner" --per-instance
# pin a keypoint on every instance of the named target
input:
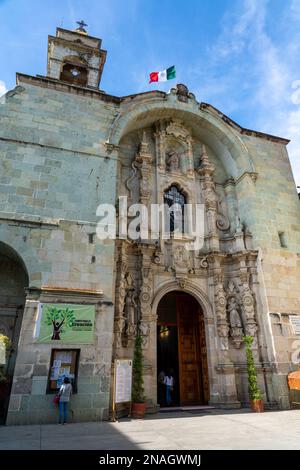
(59, 319)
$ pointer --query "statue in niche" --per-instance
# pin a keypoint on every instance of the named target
(129, 307)
(236, 329)
(172, 161)
(234, 317)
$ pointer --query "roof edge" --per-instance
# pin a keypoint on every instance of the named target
(66, 87)
(243, 130)
(58, 85)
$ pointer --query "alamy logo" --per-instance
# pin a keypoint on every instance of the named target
(160, 221)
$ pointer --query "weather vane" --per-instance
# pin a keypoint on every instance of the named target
(81, 24)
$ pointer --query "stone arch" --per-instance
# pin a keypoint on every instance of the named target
(77, 65)
(10, 252)
(202, 300)
(190, 288)
(213, 132)
(181, 187)
(13, 282)
(24, 252)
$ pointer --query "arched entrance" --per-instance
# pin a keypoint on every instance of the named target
(181, 349)
(13, 280)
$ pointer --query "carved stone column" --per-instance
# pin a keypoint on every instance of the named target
(160, 146)
(206, 171)
(190, 158)
(146, 322)
(119, 320)
(144, 159)
(220, 303)
(248, 305)
(227, 384)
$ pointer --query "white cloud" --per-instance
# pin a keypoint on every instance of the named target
(3, 89)
(264, 71)
(295, 8)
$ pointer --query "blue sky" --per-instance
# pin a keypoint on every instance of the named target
(241, 56)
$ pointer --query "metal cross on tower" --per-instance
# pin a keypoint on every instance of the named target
(81, 24)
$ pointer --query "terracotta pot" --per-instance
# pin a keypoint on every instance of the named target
(257, 405)
(138, 410)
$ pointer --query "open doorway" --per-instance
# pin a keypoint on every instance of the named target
(181, 350)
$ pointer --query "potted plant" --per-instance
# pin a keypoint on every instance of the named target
(138, 397)
(255, 395)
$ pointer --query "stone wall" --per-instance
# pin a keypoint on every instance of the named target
(270, 206)
(55, 172)
(30, 403)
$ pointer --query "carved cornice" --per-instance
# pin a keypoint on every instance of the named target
(65, 294)
(58, 85)
(235, 181)
(111, 147)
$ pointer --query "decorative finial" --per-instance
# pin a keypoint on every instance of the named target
(206, 167)
(81, 29)
(144, 144)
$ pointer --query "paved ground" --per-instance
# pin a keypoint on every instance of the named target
(212, 429)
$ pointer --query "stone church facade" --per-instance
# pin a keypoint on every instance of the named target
(65, 148)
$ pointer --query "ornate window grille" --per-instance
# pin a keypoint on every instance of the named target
(175, 200)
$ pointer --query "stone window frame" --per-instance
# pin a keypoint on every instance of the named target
(52, 358)
(184, 195)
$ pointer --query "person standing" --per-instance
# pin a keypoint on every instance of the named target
(64, 398)
(169, 382)
(161, 387)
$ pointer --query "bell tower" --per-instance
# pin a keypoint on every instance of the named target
(75, 57)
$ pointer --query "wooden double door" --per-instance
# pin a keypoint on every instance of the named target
(191, 347)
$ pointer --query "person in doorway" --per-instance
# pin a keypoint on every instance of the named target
(65, 393)
(161, 387)
(168, 381)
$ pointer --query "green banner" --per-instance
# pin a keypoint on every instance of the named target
(65, 323)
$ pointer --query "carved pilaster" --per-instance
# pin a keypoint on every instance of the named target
(120, 321)
(248, 304)
(190, 158)
(206, 171)
(227, 378)
(160, 146)
(146, 294)
(144, 160)
(220, 301)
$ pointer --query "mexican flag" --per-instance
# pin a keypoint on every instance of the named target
(163, 76)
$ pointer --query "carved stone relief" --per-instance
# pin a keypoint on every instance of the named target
(141, 173)
(235, 321)
(220, 302)
(181, 260)
(130, 306)
(172, 161)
